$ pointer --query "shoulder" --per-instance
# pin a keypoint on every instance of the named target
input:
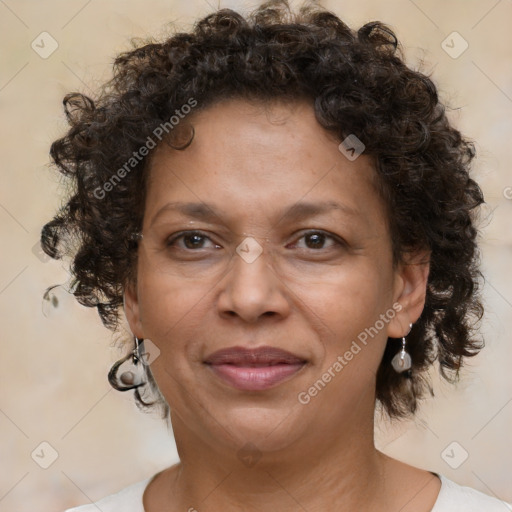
(128, 499)
(456, 498)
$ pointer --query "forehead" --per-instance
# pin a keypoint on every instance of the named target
(259, 156)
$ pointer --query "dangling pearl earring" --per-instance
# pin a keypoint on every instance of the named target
(402, 360)
(133, 376)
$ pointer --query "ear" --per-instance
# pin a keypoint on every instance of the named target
(410, 288)
(132, 310)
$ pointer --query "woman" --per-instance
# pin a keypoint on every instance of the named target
(281, 210)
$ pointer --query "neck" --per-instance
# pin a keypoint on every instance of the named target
(342, 472)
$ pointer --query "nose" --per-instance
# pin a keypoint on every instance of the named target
(252, 290)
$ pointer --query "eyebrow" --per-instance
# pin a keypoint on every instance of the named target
(299, 211)
(201, 211)
(303, 210)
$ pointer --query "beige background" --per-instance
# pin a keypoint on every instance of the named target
(53, 368)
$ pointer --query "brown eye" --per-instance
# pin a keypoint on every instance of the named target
(317, 240)
(191, 240)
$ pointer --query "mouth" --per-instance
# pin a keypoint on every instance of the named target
(254, 369)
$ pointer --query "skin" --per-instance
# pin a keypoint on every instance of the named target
(311, 296)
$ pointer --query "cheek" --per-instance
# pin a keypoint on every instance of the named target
(172, 315)
(171, 310)
(347, 298)
(350, 308)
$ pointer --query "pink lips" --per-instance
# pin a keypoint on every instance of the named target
(254, 369)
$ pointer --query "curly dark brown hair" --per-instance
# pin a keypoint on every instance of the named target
(357, 83)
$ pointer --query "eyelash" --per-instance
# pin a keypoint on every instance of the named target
(328, 236)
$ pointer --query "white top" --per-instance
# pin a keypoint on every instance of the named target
(452, 498)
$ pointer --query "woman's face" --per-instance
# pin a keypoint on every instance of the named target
(290, 249)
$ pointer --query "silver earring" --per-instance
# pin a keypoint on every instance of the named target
(402, 360)
(133, 376)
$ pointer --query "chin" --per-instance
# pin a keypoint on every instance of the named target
(268, 429)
